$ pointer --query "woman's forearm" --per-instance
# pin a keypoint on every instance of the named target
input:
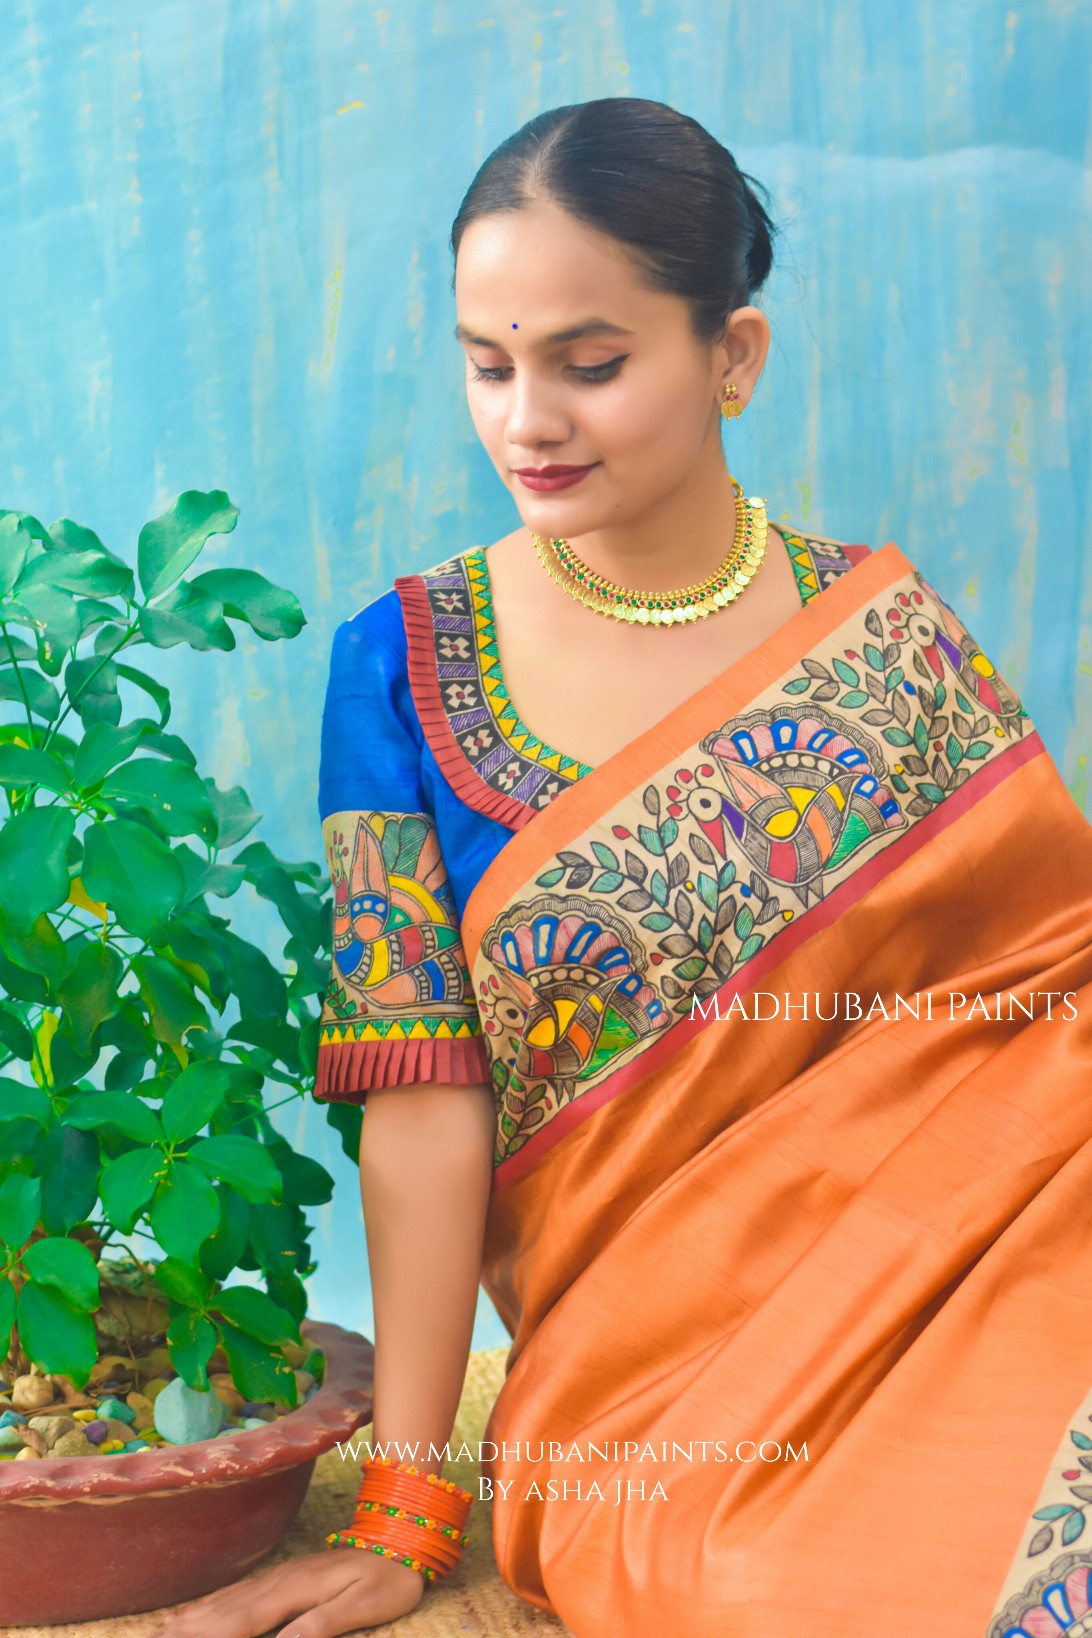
(426, 1166)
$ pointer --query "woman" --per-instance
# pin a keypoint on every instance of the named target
(715, 968)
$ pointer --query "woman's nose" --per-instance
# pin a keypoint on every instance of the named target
(534, 415)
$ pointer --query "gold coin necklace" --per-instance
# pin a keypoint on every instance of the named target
(695, 602)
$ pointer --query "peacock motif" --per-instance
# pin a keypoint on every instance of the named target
(945, 640)
(395, 933)
(798, 790)
(573, 993)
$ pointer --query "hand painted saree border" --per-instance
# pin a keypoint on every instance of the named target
(807, 808)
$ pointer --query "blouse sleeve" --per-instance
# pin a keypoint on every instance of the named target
(399, 1007)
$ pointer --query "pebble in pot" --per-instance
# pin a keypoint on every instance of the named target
(184, 1416)
(30, 1393)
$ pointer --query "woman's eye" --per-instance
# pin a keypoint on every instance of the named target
(587, 372)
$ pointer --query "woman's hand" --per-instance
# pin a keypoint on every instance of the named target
(320, 1596)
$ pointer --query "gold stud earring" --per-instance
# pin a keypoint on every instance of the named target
(730, 405)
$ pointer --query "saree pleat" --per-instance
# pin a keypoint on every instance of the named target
(865, 1238)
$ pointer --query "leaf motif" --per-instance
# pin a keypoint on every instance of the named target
(606, 856)
(677, 944)
(901, 707)
(896, 736)
(876, 688)
(608, 881)
(814, 668)
(581, 875)
(1072, 1528)
(700, 848)
(650, 839)
(853, 698)
(848, 673)
(725, 915)
(1081, 1440)
(658, 887)
(796, 685)
(873, 623)
(651, 800)
(876, 718)
(707, 890)
(1040, 1541)
(678, 870)
(635, 899)
(891, 654)
(770, 909)
(874, 656)
(671, 988)
(684, 910)
(550, 878)
(637, 868)
(825, 691)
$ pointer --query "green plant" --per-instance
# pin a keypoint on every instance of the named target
(132, 1124)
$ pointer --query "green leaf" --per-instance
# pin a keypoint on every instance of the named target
(240, 1161)
(184, 1211)
(246, 595)
(287, 1290)
(125, 1110)
(133, 871)
(193, 1098)
(303, 1181)
(92, 685)
(744, 921)
(846, 672)
(34, 873)
(90, 993)
(183, 1283)
(91, 573)
(225, 1247)
(169, 543)
(650, 839)
(16, 543)
(191, 1339)
(155, 690)
(796, 685)
(20, 1205)
(68, 1266)
(853, 697)
(127, 1184)
(39, 950)
(19, 766)
(347, 1121)
(54, 616)
(235, 817)
(186, 616)
(29, 687)
(19, 1102)
(15, 1035)
(56, 1336)
(171, 791)
(173, 1007)
(102, 747)
(256, 1314)
(256, 1369)
(69, 1161)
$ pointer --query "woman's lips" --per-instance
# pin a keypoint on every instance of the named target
(552, 477)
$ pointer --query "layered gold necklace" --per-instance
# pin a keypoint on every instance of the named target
(717, 591)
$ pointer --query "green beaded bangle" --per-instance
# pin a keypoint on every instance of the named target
(342, 1538)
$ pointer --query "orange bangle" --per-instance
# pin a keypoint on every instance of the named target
(403, 1496)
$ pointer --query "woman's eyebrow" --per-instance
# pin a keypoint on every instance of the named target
(590, 327)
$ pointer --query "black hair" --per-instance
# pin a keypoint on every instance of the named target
(650, 177)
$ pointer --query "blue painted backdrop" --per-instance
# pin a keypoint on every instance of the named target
(224, 264)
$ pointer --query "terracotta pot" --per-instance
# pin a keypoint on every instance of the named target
(84, 1537)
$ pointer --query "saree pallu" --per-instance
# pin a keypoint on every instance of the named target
(845, 1231)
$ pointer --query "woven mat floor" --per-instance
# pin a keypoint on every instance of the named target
(471, 1600)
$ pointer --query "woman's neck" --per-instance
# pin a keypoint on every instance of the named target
(677, 542)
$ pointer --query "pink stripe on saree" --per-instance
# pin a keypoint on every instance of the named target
(788, 1012)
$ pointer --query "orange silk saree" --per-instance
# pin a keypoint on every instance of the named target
(788, 1007)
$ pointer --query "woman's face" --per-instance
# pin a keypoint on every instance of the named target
(636, 399)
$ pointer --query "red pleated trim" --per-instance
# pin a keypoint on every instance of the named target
(347, 1070)
(424, 680)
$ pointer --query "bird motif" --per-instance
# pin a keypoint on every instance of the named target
(571, 982)
(946, 639)
(396, 943)
(796, 793)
